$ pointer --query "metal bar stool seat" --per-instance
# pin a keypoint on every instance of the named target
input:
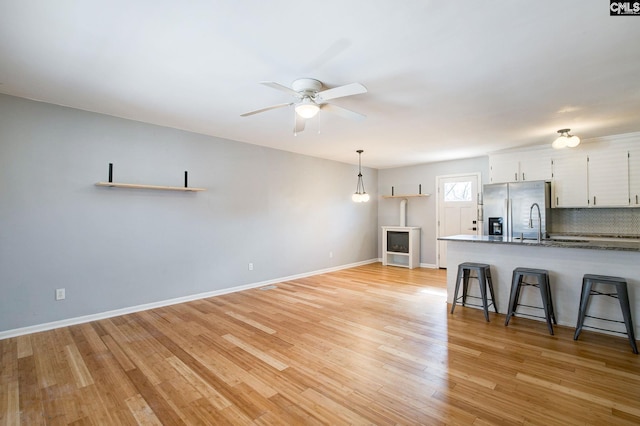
(588, 282)
(541, 277)
(483, 275)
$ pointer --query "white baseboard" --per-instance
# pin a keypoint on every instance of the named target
(131, 309)
(422, 265)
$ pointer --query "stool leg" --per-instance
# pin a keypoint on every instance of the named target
(553, 314)
(512, 297)
(518, 291)
(519, 279)
(543, 284)
(482, 281)
(623, 298)
(493, 297)
(455, 292)
(584, 302)
(465, 285)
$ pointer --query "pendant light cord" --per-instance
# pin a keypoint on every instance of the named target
(360, 183)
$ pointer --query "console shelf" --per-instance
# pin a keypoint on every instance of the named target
(157, 187)
(401, 246)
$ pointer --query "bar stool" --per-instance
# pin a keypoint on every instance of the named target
(621, 294)
(541, 277)
(483, 275)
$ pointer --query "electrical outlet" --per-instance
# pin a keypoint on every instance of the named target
(60, 294)
(330, 255)
(251, 266)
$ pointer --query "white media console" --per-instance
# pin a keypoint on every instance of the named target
(401, 246)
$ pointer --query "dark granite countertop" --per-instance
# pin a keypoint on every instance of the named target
(564, 241)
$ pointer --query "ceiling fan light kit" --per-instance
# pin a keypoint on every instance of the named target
(307, 108)
(310, 99)
(565, 140)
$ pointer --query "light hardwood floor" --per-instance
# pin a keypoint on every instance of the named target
(368, 345)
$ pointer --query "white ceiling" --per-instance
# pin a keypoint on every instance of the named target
(446, 79)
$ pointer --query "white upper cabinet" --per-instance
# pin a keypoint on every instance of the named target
(536, 165)
(569, 183)
(521, 166)
(600, 172)
(634, 174)
(504, 167)
(608, 171)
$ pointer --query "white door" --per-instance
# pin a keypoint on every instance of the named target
(457, 209)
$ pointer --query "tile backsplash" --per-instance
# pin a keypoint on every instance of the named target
(622, 221)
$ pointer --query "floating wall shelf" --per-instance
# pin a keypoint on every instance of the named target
(139, 186)
(406, 196)
(419, 194)
(112, 184)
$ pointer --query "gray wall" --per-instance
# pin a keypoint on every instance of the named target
(117, 248)
(421, 211)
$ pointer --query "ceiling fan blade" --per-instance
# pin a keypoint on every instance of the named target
(300, 122)
(279, 86)
(346, 113)
(246, 114)
(346, 90)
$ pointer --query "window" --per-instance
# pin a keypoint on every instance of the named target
(457, 191)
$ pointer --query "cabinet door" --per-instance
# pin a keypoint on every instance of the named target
(569, 182)
(634, 176)
(608, 170)
(504, 167)
(535, 165)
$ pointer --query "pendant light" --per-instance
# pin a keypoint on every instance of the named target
(360, 196)
(565, 140)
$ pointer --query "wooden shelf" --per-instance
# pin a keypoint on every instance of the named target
(157, 187)
(406, 196)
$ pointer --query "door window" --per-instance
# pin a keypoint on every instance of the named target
(457, 191)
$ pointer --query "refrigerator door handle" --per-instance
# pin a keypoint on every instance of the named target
(510, 216)
(505, 226)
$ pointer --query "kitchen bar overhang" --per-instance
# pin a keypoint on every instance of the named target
(567, 258)
(595, 243)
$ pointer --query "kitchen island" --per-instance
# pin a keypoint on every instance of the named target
(566, 260)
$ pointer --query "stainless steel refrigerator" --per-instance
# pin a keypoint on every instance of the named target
(508, 209)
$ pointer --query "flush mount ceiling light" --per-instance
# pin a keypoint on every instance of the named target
(565, 140)
(360, 196)
(307, 108)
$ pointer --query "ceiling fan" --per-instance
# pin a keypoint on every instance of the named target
(310, 98)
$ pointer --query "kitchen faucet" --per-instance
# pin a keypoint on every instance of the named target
(539, 220)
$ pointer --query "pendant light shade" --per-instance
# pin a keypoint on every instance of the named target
(565, 140)
(360, 196)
